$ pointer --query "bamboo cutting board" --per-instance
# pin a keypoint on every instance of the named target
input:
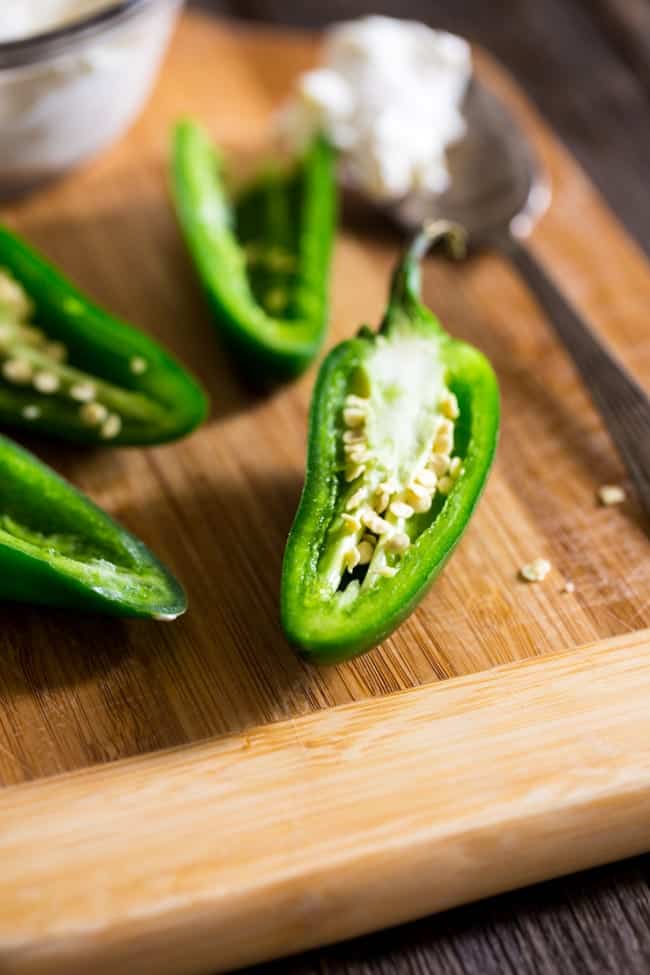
(298, 827)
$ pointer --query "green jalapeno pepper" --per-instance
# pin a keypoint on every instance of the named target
(69, 369)
(59, 549)
(264, 261)
(403, 430)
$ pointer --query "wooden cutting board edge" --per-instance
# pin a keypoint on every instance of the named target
(305, 832)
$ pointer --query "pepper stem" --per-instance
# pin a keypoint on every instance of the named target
(405, 288)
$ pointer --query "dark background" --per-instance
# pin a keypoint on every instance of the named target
(586, 65)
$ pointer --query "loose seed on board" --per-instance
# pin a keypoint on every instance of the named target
(111, 427)
(17, 371)
(610, 494)
(92, 414)
(46, 382)
(535, 571)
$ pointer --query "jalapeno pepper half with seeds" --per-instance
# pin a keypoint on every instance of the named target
(69, 369)
(263, 261)
(59, 549)
(403, 430)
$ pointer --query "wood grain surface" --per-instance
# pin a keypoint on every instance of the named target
(76, 691)
(310, 830)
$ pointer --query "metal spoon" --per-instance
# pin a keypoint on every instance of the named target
(497, 192)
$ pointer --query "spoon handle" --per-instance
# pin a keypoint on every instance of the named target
(621, 401)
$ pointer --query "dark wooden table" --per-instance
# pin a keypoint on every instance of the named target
(586, 64)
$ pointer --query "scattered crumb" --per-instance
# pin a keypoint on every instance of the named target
(535, 571)
(610, 494)
(569, 586)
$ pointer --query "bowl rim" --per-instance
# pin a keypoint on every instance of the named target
(40, 47)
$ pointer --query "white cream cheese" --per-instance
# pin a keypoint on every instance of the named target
(24, 18)
(388, 96)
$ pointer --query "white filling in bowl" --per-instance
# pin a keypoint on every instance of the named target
(65, 96)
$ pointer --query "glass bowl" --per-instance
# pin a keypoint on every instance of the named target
(68, 93)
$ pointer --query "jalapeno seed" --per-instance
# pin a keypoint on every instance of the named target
(111, 427)
(82, 392)
(31, 411)
(46, 382)
(93, 414)
(138, 365)
(17, 371)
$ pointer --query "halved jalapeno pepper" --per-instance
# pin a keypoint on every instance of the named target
(264, 260)
(70, 369)
(59, 549)
(402, 433)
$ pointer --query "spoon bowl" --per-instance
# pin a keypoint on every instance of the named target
(497, 186)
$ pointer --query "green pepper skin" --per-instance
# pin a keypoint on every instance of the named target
(323, 631)
(58, 549)
(162, 404)
(294, 211)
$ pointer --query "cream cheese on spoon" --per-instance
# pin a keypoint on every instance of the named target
(388, 95)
